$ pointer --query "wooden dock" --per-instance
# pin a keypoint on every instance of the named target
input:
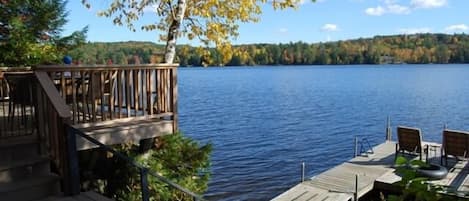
(373, 171)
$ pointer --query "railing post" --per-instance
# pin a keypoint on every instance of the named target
(174, 98)
(144, 184)
(356, 147)
(73, 174)
(388, 129)
(302, 171)
(355, 194)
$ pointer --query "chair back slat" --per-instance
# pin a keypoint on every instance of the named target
(455, 143)
(410, 139)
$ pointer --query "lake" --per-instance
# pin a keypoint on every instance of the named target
(264, 121)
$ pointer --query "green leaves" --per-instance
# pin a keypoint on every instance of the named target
(30, 32)
(400, 161)
(178, 158)
(414, 187)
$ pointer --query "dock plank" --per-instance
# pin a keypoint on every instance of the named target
(306, 192)
(338, 183)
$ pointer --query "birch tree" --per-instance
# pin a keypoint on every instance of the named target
(213, 22)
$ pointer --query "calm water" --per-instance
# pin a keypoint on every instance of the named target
(264, 121)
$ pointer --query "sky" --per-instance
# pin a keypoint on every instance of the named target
(324, 20)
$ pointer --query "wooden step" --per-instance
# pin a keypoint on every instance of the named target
(84, 196)
(30, 188)
(15, 141)
(18, 169)
(18, 148)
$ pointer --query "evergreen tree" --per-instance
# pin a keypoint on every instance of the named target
(30, 32)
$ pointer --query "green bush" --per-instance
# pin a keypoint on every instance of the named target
(416, 188)
(176, 157)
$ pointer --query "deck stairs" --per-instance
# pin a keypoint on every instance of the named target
(24, 173)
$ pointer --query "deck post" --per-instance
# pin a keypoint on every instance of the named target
(144, 184)
(356, 147)
(73, 174)
(174, 98)
(302, 171)
(388, 129)
(355, 194)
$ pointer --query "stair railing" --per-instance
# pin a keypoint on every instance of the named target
(143, 171)
(53, 114)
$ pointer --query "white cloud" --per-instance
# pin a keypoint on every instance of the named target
(457, 28)
(378, 11)
(283, 30)
(390, 7)
(415, 30)
(398, 9)
(329, 27)
(393, 7)
(428, 3)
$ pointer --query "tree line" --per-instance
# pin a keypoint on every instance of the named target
(412, 49)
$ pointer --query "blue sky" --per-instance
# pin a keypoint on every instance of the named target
(325, 20)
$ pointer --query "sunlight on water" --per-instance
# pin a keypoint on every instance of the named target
(265, 121)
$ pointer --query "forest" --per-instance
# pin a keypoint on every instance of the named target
(396, 49)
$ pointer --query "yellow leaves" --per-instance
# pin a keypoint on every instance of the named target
(226, 51)
(213, 22)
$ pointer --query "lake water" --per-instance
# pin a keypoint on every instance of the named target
(264, 121)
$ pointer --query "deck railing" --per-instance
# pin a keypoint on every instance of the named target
(53, 117)
(17, 111)
(106, 92)
(58, 135)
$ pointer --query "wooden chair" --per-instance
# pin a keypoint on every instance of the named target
(455, 143)
(409, 141)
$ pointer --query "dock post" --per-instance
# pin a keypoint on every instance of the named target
(445, 126)
(356, 147)
(302, 171)
(388, 129)
(355, 195)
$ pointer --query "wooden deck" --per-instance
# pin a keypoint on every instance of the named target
(132, 129)
(338, 183)
(374, 171)
(58, 105)
(86, 196)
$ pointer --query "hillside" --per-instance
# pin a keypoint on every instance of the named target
(412, 49)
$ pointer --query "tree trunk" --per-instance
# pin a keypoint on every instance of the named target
(170, 50)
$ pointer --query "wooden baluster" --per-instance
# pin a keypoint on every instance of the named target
(165, 90)
(91, 88)
(84, 86)
(75, 115)
(111, 95)
(101, 93)
(120, 91)
(135, 85)
(160, 89)
(41, 120)
(62, 85)
(174, 99)
(128, 91)
(152, 75)
(148, 87)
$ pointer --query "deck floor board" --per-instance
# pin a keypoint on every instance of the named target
(338, 183)
(377, 168)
